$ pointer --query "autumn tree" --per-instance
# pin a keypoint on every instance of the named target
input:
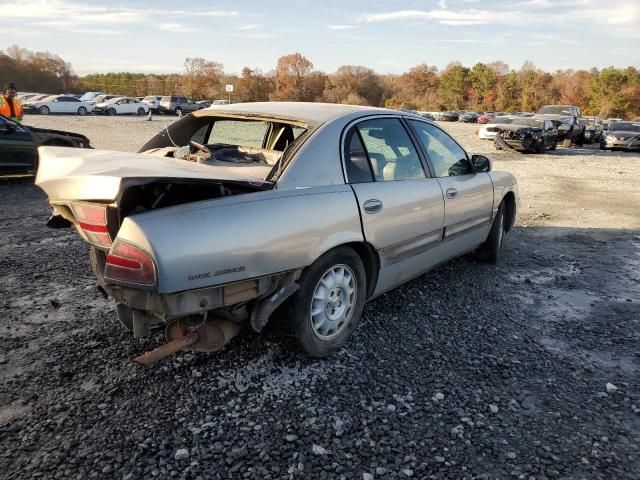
(252, 86)
(454, 83)
(483, 80)
(203, 78)
(355, 85)
(291, 73)
(416, 89)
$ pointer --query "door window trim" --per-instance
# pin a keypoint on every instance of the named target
(426, 154)
(428, 172)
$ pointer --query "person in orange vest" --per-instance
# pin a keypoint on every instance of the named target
(10, 106)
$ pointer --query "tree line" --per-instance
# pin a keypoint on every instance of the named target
(608, 92)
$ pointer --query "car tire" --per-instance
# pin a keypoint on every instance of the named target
(602, 147)
(44, 110)
(82, 111)
(178, 111)
(488, 251)
(141, 111)
(326, 309)
(111, 111)
(554, 145)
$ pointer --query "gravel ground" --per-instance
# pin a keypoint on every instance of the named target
(528, 369)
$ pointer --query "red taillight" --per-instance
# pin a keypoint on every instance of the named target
(129, 263)
(92, 219)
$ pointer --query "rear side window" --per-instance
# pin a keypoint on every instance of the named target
(234, 132)
(356, 160)
(391, 151)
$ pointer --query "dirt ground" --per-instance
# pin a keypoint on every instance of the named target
(528, 369)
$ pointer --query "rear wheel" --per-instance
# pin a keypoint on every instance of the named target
(82, 111)
(327, 308)
(111, 111)
(44, 110)
(488, 251)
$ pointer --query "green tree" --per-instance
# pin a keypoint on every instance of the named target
(453, 87)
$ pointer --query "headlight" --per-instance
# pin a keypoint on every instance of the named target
(610, 138)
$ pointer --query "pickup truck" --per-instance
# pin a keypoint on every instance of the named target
(570, 129)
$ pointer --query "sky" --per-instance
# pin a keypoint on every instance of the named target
(389, 36)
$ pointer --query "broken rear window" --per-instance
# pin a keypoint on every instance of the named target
(234, 132)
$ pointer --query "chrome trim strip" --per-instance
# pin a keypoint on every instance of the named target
(412, 247)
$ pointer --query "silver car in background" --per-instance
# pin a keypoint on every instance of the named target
(236, 210)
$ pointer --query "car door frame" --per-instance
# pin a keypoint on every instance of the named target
(13, 147)
(412, 256)
(453, 231)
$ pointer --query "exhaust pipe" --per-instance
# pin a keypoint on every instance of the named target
(208, 335)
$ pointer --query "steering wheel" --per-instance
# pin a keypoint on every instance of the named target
(200, 147)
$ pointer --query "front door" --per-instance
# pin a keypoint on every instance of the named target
(17, 151)
(401, 206)
(468, 196)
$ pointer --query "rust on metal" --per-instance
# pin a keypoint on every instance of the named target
(167, 349)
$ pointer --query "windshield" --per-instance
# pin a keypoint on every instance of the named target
(625, 127)
(556, 110)
(89, 96)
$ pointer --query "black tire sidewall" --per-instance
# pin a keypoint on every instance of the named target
(300, 306)
(489, 250)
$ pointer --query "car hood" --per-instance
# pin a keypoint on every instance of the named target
(509, 127)
(50, 131)
(78, 174)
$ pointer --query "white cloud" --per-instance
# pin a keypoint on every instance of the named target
(340, 27)
(175, 27)
(445, 17)
(252, 26)
(84, 13)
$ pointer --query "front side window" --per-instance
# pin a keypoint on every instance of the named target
(391, 152)
(447, 157)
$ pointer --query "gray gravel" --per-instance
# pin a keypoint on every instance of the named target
(471, 371)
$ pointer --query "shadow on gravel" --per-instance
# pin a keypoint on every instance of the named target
(470, 371)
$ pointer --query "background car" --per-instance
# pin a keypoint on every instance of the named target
(486, 117)
(178, 105)
(87, 97)
(593, 128)
(205, 103)
(487, 131)
(122, 106)
(525, 134)
(19, 145)
(102, 98)
(58, 104)
(621, 136)
(153, 102)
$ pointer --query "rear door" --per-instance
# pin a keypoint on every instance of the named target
(468, 196)
(17, 151)
(401, 206)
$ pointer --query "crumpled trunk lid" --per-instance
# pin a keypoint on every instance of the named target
(101, 175)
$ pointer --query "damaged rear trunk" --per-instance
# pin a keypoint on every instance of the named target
(97, 190)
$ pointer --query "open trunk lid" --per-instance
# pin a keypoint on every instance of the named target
(101, 175)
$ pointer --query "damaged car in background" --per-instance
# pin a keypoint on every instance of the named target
(525, 134)
(238, 210)
(19, 145)
(570, 130)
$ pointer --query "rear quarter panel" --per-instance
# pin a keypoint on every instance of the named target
(246, 236)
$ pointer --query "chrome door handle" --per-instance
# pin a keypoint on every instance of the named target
(452, 193)
(372, 206)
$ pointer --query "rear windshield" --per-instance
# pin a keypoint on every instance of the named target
(234, 132)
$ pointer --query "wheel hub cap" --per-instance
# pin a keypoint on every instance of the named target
(333, 302)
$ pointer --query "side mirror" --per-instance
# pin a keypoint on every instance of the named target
(480, 164)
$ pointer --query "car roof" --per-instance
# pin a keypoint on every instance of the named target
(316, 113)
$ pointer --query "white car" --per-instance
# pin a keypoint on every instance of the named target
(122, 106)
(153, 102)
(487, 132)
(58, 104)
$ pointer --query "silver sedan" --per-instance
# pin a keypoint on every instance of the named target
(236, 210)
